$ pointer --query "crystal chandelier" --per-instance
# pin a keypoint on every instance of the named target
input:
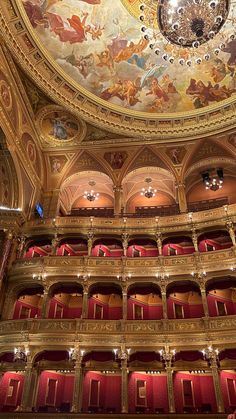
(215, 181)
(148, 192)
(188, 31)
(91, 195)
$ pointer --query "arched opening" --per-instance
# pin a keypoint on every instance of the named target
(38, 248)
(101, 383)
(198, 197)
(184, 301)
(87, 193)
(107, 247)
(147, 384)
(28, 303)
(174, 246)
(141, 247)
(105, 302)
(161, 200)
(66, 302)
(228, 378)
(193, 383)
(144, 302)
(72, 247)
(11, 383)
(55, 382)
(214, 240)
(221, 296)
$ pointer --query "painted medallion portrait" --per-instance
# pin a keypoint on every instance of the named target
(104, 50)
(60, 126)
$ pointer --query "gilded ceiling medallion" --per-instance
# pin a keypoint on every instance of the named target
(58, 128)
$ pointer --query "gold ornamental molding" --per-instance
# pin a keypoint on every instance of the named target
(46, 330)
(63, 266)
(21, 40)
(176, 223)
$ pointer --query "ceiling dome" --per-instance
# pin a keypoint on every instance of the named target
(105, 52)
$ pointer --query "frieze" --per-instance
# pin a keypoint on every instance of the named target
(174, 265)
(226, 323)
(35, 327)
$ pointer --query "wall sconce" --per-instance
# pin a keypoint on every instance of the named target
(122, 353)
(209, 354)
(162, 275)
(74, 353)
(199, 274)
(20, 354)
(167, 356)
(40, 277)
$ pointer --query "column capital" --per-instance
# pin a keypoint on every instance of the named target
(117, 188)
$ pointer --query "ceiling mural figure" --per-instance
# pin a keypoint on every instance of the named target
(105, 52)
(60, 126)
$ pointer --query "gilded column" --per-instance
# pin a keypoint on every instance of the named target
(45, 303)
(5, 253)
(164, 299)
(20, 247)
(125, 242)
(85, 303)
(182, 197)
(194, 239)
(230, 228)
(90, 241)
(159, 243)
(28, 389)
(124, 386)
(170, 387)
(9, 304)
(50, 203)
(117, 200)
(216, 381)
(78, 386)
(55, 243)
(124, 302)
(204, 301)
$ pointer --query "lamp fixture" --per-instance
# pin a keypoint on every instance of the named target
(91, 195)
(122, 353)
(187, 31)
(210, 354)
(74, 354)
(20, 354)
(149, 191)
(212, 179)
(167, 356)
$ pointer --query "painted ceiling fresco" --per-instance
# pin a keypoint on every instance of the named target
(99, 44)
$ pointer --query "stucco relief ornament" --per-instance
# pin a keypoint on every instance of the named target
(58, 128)
(5, 95)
